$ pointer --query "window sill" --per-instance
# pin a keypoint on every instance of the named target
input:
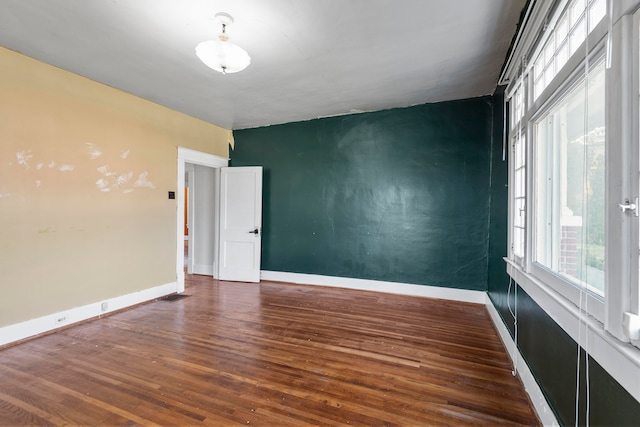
(569, 292)
(621, 360)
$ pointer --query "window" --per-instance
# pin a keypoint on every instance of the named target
(518, 168)
(570, 185)
(574, 173)
(557, 160)
(565, 39)
(519, 195)
(518, 174)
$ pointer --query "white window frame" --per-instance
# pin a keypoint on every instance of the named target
(601, 330)
(622, 277)
(594, 304)
(517, 101)
(635, 155)
(625, 270)
(565, 78)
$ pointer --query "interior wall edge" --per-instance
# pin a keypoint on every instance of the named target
(13, 333)
(454, 294)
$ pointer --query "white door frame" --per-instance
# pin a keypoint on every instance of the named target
(186, 155)
(189, 169)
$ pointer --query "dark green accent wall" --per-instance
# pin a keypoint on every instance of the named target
(399, 195)
(550, 353)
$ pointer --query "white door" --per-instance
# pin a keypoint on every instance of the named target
(240, 223)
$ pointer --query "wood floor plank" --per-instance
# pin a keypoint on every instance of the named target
(269, 354)
(18, 411)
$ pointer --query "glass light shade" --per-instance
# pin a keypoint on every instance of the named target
(223, 56)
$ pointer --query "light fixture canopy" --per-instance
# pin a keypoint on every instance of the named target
(222, 55)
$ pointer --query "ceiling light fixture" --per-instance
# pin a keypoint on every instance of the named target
(221, 54)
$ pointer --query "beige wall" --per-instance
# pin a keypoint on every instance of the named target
(84, 175)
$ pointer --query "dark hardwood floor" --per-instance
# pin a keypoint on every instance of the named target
(268, 354)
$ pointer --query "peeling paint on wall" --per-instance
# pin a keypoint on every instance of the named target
(114, 180)
(111, 180)
(142, 181)
(123, 179)
(103, 185)
(104, 169)
(94, 151)
(23, 158)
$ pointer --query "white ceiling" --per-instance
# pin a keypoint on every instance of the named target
(309, 58)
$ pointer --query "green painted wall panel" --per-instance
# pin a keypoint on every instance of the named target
(398, 195)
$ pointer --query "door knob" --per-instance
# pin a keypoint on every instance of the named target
(256, 231)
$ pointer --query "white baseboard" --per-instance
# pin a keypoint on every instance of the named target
(546, 415)
(29, 328)
(204, 269)
(464, 295)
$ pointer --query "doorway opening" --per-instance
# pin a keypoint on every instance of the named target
(200, 214)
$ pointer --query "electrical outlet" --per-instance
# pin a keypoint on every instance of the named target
(104, 306)
(61, 319)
